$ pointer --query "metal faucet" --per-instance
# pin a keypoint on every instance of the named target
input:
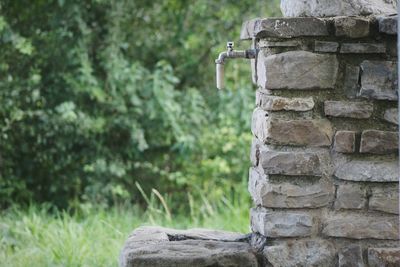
(220, 61)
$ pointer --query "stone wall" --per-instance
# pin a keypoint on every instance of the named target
(324, 175)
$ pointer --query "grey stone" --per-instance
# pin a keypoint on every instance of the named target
(290, 163)
(264, 43)
(255, 151)
(385, 199)
(379, 80)
(331, 8)
(280, 224)
(287, 195)
(392, 115)
(259, 124)
(297, 70)
(353, 27)
(351, 256)
(351, 78)
(327, 47)
(357, 110)
(277, 103)
(350, 196)
(388, 25)
(283, 28)
(154, 246)
(301, 253)
(368, 171)
(362, 48)
(379, 142)
(345, 141)
(362, 227)
(387, 257)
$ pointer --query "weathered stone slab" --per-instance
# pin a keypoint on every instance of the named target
(368, 171)
(350, 196)
(385, 199)
(259, 121)
(392, 115)
(379, 142)
(362, 227)
(357, 110)
(362, 48)
(331, 8)
(290, 163)
(297, 70)
(287, 195)
(388, 257)
(301, 253)
(291, 43)
(379, 80)
(326, 47)
(353, 27)
(255, 151)
(350, 85)
(299, 132)
(283, 28)
(277, 103)
(351, 256)
(159, 247)
(280, 224)
(345, 141)
(388, 25)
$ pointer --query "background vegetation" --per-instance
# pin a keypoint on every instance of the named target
(108, 104)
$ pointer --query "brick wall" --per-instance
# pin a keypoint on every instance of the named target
(324, 175)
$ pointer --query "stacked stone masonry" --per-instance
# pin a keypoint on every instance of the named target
(325, 172)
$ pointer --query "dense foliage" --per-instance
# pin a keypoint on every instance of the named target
(103, 100)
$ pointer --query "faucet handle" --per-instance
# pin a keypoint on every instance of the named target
(230, 45)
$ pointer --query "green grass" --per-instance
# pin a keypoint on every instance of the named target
(94, 236)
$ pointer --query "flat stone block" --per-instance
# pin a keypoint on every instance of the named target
(283, 28)
(280, 224)
(388, 25)
(301, 253)
(345, 141)
(157, 246)
(297, 70)
(264, 43)
(362, 48)
(346, 109)
(287, 195)
(379, 142)
(350, 85)
(392, 115)
(385, 198)
(351, 256)
(362, 227)
(290, 163)
(350, 196)
(368, 171)
(326, 47)
(388, 257)
(277, 103)
(379, 80)
(353, 27)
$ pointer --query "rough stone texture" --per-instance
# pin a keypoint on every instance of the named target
(357, 110)
(299, 132)
(156, 246)
(353, 27)
(392, 115)
(255, 151)
(283, 28)
(379, 142)
(379, 80)
(287, 195)
(345, 141)
(350, 196)
(388, 25)
(351, 256)
(362, 48)
(276, 103)
(297, 70)
(350, 85)
(263, 43)
(301, 253)
(388, 257)
(280, 224)
(259, 121)
(330, 8)
(326, 47)
(290, 163)
(368, 171)
(362, 227)
(385, 199)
